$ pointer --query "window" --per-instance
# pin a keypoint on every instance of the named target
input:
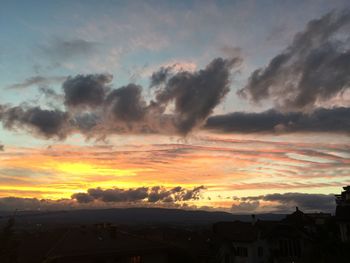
(242, 252)
(290, 248)
(135, 259)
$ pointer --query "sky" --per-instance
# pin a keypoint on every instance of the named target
(237, 106)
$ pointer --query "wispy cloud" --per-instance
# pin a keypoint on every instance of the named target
(230, 164)
(40, 81)
(60, 49)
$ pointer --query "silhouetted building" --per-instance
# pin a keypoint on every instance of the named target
(260, 241)
(342, 213)
(299, 237)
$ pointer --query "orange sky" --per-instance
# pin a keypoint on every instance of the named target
(227, 165)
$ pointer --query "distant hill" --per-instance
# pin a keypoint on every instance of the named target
(130, 216)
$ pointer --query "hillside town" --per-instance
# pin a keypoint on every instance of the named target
(298, 237)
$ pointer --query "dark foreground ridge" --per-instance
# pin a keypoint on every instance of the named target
(129, 216)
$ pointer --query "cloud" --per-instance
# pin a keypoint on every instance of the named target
(86, 123)
(166, 70)
(86, 90)
(95, 109)
(243, 207)
(287, 201)
(314, 68)
(40, 81)
(60, 49)
(45, 123)
(51, 94)
(83, 198)
(160, 76)
(195, 94)
(117, 195)
(13, 203)
(155, 194)
(231, 51)
(126, 103)
(320, 120)
(305, 201)
(97, 198)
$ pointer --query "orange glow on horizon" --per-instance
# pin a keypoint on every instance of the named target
(226, 167)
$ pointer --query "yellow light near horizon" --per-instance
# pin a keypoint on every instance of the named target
(37, 191)
(91, 169)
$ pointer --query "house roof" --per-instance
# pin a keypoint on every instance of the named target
(248, 232)
(236, 231)
(298, 218)
(90, 241)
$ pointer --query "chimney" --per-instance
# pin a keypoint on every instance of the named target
(296, 209)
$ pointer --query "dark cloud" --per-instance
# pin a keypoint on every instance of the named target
(193, 194)
(196, 94)
(159, 77)
(40, 81)
(142, 194)
(95, 109)
(118, 195)
(313, 69)
(86, 122)
(320, 120)
(86, 90)
(97, 198)
(320, 202)
(159, 194)
(82, 198)
(46, 123)
(287, 201)
(126, 103)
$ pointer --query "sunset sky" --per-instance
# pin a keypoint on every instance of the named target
(239, 106)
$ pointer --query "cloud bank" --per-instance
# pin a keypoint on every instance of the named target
(153, 194)
(286, 202)
(92, 107)
(273, 121)
(97, 197)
